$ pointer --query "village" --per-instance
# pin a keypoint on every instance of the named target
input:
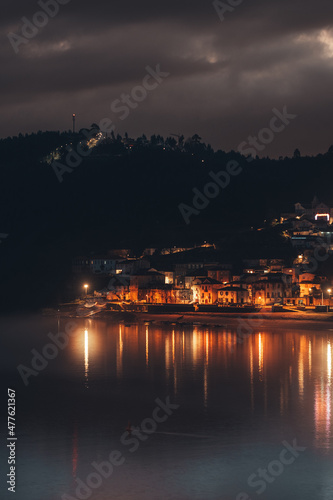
(195, 278)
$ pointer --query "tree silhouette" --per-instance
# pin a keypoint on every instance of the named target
(196, 138)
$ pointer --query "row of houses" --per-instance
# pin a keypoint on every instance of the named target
(154, 286)
(197, 275)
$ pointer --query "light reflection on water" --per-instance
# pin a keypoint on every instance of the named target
(264, 359)
(249, 396)
(86, 357)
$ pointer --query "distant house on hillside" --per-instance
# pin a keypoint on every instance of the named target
(314, 211)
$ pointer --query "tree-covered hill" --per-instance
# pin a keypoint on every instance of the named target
(127, 193)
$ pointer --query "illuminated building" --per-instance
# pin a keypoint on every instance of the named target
(233, 294)
(205, 290)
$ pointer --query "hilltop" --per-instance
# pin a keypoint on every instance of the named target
(120, 192)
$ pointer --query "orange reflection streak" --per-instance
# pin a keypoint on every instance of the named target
(300, 375)
(120, 349)
(195, 345)
(206, 368)
(167, 353)
(322, 417)
(147, 346)
(303, 354)
(173, 347)
(251, 375)
(206, 348)
(323, 402)
(86, 356)
(310, 358)
(329, 363)
(260, 357)
(328, 390)
(175, 381)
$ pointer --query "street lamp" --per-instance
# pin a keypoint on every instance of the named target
(322, 295)
(86, 288)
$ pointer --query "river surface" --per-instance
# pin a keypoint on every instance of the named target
(215, 414)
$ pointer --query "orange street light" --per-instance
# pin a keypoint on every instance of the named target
(86, 288)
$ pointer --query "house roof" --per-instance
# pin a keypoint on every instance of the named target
(238, 283)
(147, 272)
(208, 281)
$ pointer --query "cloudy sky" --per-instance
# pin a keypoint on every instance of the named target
(225, 76)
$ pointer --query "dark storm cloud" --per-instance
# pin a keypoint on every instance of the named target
(225, 77)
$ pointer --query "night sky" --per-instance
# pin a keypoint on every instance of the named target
(225, 77)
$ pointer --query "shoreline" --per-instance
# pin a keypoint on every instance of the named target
(255, 319)
(223, 320)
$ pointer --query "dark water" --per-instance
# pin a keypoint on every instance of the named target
(236, 406)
